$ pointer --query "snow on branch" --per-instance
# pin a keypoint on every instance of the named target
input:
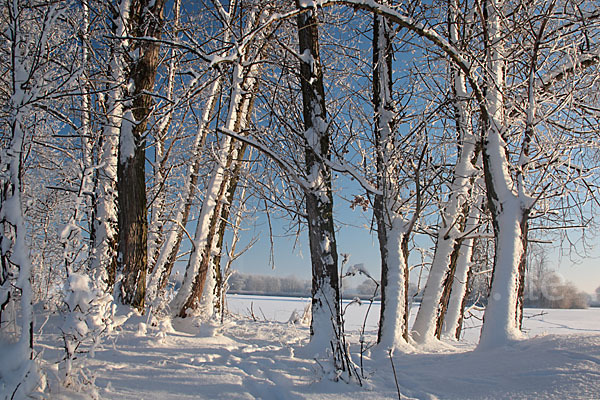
(263, 148)
(342, 167)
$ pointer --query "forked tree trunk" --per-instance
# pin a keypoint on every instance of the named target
(167, 255)
(235, 171)
(429, 321)
(455, 290)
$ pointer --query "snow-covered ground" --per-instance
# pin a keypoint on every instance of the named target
(255, 358)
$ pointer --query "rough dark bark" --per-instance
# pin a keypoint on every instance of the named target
(146, 19)
(380, 56)
(448, 280)
(468, 290)
(319, 200)
(522, 268)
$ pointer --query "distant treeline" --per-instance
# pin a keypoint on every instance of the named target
(271, 285)
(292, 286)
(548, 291)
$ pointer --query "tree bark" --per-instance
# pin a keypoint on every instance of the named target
(104, 235)
(146, 19)
(158, 215)
(391, 232)
(450, 319)
(325, 323)
(170, 247)
(196, 294)
(509, 210)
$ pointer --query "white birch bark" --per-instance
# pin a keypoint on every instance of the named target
(212, 195)
(166, 255)
(208, 299)
(197, 294)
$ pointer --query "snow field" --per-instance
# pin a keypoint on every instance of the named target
(247, 359)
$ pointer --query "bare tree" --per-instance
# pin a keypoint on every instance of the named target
(393, 232)
(196, 295)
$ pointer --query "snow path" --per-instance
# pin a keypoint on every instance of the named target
(249, 359)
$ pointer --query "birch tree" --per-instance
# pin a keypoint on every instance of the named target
(167, 254)
(196, 296)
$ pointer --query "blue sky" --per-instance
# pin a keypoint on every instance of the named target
(354, 238)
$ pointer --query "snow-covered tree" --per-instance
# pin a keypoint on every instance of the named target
(325, 324)
(145, 20)
(104, 234)
(197, 293)
(393, 229)
(28, 33)
(452, 251)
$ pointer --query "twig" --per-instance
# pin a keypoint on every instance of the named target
(395, 377)
(252, 311)
(540, 314)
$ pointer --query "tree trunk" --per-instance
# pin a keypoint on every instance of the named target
(450, 319)
(392, 230)
(167, 255)
(325, 323)
(170, 247)
(104, 235)
(223, 222)
(157, 219)
(236, 171)
(199, 277)
(393, 319)
(436, 294)
(19, 374)
(508, 209)
(146, 21)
